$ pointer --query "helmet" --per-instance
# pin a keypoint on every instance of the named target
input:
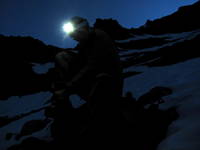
(74, 24)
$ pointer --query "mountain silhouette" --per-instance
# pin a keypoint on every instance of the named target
(184, 19)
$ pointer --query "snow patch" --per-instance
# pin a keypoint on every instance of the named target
(42, 68)
(183, 79)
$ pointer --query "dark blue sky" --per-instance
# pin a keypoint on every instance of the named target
(43, 19)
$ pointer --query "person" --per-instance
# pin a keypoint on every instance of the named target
(92, 70)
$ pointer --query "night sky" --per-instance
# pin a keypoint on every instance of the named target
(43, 19)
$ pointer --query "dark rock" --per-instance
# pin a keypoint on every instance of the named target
(143, 43)
(4, 120)
(31, 143)
(17, 56)
(130, 74)
(154, 96)
(113, 28)
(184, 19)
(32, 126)
(9, 136)
(178, 52)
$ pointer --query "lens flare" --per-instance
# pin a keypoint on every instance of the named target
(68, 28)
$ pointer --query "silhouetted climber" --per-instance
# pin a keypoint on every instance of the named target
(93, 71)
(128, 102)
(129, 107)
(154, 96)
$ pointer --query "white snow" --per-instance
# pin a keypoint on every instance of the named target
(15, 127)
(18, 105)
(76, 101)
(169, 36)
(42, 68)
(173, 38)
(183, 79)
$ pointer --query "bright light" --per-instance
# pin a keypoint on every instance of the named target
(68, 27)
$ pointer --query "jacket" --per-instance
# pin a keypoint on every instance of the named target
(98, 55)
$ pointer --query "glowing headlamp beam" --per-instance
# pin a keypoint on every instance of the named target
(68, 28)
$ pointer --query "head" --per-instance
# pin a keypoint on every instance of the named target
(81, 29)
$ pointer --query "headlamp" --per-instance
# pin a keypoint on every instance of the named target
(70, 27)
